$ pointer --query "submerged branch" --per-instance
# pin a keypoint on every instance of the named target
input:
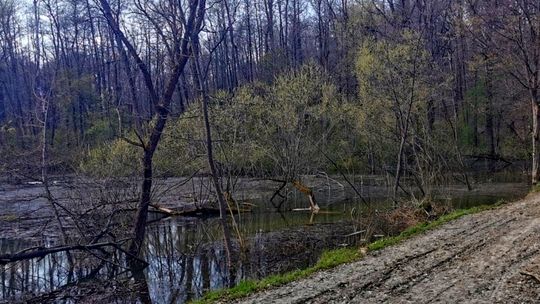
(40, 252)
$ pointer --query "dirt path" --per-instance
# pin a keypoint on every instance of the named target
(489, 257)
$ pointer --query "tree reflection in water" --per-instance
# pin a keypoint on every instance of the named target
(185, 259)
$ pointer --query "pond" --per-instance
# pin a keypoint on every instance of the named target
(186, 257)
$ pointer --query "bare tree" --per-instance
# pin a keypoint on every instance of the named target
(178, 45)
(200, 82)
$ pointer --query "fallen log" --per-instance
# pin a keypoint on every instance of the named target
(355, 233)
(164, 210)
(201, 210)
(319, 212)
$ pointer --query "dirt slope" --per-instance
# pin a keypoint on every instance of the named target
(489, 257)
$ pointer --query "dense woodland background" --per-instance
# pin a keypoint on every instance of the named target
(295, 86)
(419, 92)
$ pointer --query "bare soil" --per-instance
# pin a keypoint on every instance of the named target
(489, 257)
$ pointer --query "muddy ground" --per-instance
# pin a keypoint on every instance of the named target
(490, 257)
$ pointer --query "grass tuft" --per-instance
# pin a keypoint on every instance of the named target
(332, 258)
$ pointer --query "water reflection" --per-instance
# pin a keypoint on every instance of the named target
(186, 257)
(181, 263)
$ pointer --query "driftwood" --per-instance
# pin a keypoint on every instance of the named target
(319, 212)
(355, 233)
(165, 210)
(201, 210)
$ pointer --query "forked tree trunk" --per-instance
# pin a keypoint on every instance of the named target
(161, 103)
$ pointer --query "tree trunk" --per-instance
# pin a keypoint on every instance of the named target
(490, 130)
(399, 164)
(160, 106)
(535, 174)
(200, 83)
(144, 203)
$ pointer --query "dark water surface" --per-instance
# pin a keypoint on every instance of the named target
(186, 257)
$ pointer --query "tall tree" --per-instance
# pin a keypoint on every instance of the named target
(179, 51)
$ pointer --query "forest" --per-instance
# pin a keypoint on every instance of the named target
(146, 139)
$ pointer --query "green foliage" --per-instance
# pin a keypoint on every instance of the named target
(535, 188)
(273, 63)
(100, 131)
(278, 128)
(395, 95)
(8, 136)
(115, 158)
(73, 95)
(287, 126)
(473, 108)
(182, 149)
(294, 120)
(71, 89)
(465, 134)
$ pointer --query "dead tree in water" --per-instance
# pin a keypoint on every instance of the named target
(313, 206)
(179, 52)
(203, 93)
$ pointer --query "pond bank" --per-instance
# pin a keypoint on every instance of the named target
(491, 257)
(185, 255)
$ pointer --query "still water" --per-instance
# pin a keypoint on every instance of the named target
(186, 257)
